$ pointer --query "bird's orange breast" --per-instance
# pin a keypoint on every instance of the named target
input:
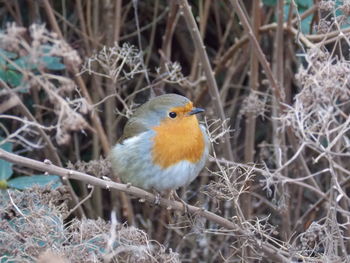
(178, 140)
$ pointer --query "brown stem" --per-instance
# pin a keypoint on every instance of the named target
(83, 26)
(202, 26)
(204, 59)
(257, 50)
(52, 19)
(167, 38)
(249, 138)
(95, 119)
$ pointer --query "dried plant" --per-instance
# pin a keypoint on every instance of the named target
(100, 168)
(116, 63)
(32, 59)
(32, 223)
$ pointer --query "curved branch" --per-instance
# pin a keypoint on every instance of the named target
(47, 166)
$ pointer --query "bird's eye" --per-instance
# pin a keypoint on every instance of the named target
(172, 115)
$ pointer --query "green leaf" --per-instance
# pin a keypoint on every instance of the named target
(302, 7)
(13, 78)
(305, 25)
(23, 62)
(304, 3)
(24, 182)
(52, 63)
(9, 55)
(45, 48)
(3, 63)
(3, 75)
(270, 2)
(5, 166)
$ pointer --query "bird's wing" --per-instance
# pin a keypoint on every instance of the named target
(132, 128)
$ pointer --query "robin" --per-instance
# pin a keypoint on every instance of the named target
(163, 146)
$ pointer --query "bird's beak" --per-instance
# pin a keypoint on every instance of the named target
(195, 111)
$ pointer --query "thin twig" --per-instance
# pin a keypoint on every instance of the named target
(81, 202)
(15, 206)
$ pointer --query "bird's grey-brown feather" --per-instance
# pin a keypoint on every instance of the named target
(150, 113)
(132, 128)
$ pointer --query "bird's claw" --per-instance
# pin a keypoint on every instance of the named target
(178, 198)
(157, 199)
(186, 208)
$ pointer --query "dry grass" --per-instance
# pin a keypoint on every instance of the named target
(33, 225)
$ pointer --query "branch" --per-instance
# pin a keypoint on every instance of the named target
(66, 174)
(258, 51)
(204, 59)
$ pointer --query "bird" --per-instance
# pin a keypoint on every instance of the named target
(163, 145)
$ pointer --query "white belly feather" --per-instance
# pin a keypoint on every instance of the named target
(132, 162)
